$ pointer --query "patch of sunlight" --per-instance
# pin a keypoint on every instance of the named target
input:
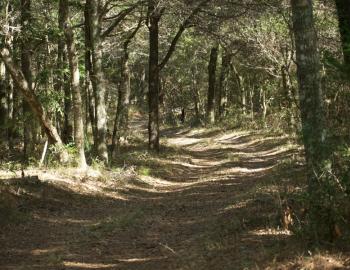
(249, 170)
(232, 136)
(184, 141)
(251, 142)
(207, 162)
(162, 183)
(189, 165)
(88, 265)
(39, 252)
(63, 221)
(237, 205)
(322, 262)
(157, 182)
(87, 182)
(197, 131)
(271, 231)
(132, 260)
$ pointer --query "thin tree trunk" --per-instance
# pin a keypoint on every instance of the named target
(241, 92)
(251, 101)
(222, 89)
(124, 91)
(3, 102)
(195, 95)
(155, 11)
(212, 85)
(8, 41)
(91, 106)
(75, 84)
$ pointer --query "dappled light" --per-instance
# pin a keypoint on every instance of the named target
(201, 198)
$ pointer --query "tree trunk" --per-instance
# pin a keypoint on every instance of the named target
(97, 78)
(309, 79)
(196, 97)
(10, 111)
(91, 106)
(153, 83)
(343, 9)
(122, 116)
(75, 85)
(61, 83)
(212, 85)
(27, 72)
(241, 91)
(35, 105)
(222, 89)
(3, 102)
(8, 41)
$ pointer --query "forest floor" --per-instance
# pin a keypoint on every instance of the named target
(211, 200)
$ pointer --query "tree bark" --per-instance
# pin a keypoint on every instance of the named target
(212, 85)
(10, 113)
(310, 93)
(153, 78)
(3, 102)
(61, 83)
(75, 85)
(222, 89)
(91, 106)
(195, 94)
(97, 78)
(343, 10)
(241, 91)
(26, 64)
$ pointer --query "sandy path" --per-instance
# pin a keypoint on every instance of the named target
(210, 205)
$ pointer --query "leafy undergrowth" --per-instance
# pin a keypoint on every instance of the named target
(212, 199)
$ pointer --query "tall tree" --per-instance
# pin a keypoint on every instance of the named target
(26, 65)
(212, 84)
(95, 10)
(223, 82)
(343, 10)
(61, 81)
(311, 103)
(309, 80)
(155, 13)
(75, 83)
(124, 91)
(156, 10)
(97, 76)
(3, 102)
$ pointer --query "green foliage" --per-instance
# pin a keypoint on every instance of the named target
(145, 171)
(328, 206)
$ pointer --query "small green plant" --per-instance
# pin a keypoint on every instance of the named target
(144, 171)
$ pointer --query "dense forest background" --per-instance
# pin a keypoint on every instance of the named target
(74, 73)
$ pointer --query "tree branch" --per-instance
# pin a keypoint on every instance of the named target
(185, 24)
(119, 18)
